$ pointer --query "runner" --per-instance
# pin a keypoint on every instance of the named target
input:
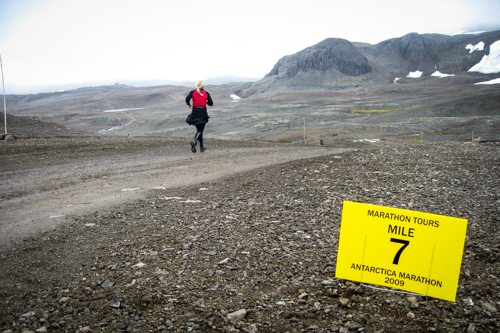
(199, 115)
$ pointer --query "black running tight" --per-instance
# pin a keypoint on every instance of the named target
(199, 133)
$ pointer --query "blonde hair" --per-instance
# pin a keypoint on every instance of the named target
(199, 85)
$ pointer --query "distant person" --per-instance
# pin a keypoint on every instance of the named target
(321, 142)
(199, 115)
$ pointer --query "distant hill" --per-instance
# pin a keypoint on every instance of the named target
(21, 90)
(337, 63)
(229, 80)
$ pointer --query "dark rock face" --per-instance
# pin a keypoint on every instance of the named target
(431, 52)
(332, 53)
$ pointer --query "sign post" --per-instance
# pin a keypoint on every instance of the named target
(403, 249)
(4, 105)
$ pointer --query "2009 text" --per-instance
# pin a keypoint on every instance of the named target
(394, 281)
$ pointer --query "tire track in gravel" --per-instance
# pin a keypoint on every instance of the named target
(38, 199)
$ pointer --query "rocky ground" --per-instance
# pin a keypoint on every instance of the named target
(256, 251)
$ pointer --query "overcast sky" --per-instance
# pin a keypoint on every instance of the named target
(72, 41)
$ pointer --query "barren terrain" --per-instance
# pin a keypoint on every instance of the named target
(137, 234)
(452, 107)
(46, 180)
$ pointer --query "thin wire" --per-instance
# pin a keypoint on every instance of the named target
(392, 291)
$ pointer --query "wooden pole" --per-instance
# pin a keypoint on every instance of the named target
(4, 104)
(304, 129)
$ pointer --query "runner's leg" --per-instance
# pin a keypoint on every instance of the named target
(199, 133)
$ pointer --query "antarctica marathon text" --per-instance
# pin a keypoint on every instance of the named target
(392, 276)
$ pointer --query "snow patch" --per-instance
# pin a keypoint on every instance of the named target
(121, 110)
(490, 62)
(478, 47)
(235, 97)
(415, 74)
(494, 81)
(396, 80)
(439, 74)
(130, 189)
(465, 32)
(367, 140)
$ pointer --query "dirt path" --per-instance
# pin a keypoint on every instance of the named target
(44, 184)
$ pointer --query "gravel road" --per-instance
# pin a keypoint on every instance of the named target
(46, 181)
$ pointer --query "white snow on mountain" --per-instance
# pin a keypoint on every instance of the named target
(439, 74)
(465, 32)
(490, 62)
(415, 74)
(478, 47)
(494, 81)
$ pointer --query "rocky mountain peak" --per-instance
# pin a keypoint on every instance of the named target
(331, 53)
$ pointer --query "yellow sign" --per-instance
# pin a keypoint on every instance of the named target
(403, 249)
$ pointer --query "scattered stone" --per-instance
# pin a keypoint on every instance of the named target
(353, 326)
(344, 301)
(468, 301)
(115, 304)
(139, 265)
(107, 284)
(413, 302)
(236, 316)
(251, 329)
(28, 314)
(488, 307)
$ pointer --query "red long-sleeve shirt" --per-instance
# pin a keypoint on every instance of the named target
(199, 100)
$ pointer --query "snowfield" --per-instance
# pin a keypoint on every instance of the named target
(490, 62)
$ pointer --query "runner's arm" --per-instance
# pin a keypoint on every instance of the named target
(188, 97)
(209, 99)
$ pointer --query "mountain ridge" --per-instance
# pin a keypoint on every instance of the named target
(336, 63)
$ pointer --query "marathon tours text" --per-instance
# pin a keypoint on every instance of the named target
(403, 249)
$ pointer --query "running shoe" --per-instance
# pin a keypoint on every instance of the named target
(193, 145)
(202, 148)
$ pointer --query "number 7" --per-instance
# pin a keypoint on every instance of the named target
(401, 241)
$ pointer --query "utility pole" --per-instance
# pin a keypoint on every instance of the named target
(4, 105)
(304, 129)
